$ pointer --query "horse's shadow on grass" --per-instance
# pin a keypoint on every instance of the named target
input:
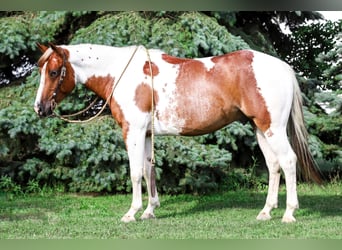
(320, 205)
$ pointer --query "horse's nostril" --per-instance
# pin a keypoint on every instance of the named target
(39, 110)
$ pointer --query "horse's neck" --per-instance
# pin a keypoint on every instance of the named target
(90, 60)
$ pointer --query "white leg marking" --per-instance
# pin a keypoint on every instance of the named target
(274, 177)
(287, 160)
(153, 202)
(135, 147)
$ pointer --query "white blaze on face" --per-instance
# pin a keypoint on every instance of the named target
(40, 89)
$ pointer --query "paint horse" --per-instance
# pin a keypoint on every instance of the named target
(191, 97)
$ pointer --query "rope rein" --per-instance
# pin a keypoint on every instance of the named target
(153, 171)
(81, 111)
(152, 106)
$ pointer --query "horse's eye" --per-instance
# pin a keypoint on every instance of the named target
(53, 73)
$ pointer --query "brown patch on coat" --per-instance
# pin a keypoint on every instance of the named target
(143, 97)
(147, 70)
(251, 103)
(209, 100)
(102, 86)
(174, 60)
(119, 116)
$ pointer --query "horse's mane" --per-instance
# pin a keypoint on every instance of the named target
(44, 57)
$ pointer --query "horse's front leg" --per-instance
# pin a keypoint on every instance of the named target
(153, 200)
(135, 143)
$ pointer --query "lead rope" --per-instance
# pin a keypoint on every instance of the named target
(80, 112)
(153, 171)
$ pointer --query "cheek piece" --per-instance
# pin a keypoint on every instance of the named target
(60, 81)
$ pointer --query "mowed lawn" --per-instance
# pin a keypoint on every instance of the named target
(228, 215)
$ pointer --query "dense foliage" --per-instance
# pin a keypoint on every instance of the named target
(315, 52)
(91, 157)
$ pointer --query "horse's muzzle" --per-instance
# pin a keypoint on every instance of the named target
(44, 110)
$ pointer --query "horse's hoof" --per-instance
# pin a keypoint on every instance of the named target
(263, 216)
(128, 219)
(147, 216)
(288, 219)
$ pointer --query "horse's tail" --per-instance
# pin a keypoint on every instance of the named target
(308, 169)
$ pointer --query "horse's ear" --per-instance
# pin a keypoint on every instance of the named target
(42, 47)
(53, 47)
(57, 49)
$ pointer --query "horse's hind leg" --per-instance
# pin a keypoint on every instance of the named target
(274, 177)
(153, 200)
(279, 144)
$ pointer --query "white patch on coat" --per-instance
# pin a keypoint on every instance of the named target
(274, 82)
(207, 62)
(167, 120)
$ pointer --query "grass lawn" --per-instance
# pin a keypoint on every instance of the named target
(217, 216)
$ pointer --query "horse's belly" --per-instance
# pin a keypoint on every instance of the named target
(191, 122)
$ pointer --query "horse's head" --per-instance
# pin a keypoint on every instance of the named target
(57, 79)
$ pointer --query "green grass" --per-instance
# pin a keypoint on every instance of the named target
(217, 216)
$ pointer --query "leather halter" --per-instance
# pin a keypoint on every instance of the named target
(62, 75)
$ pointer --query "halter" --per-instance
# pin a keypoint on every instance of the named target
(61, 79)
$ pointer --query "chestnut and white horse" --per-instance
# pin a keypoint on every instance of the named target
(191, 97)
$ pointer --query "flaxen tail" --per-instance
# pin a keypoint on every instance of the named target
(308, 169)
